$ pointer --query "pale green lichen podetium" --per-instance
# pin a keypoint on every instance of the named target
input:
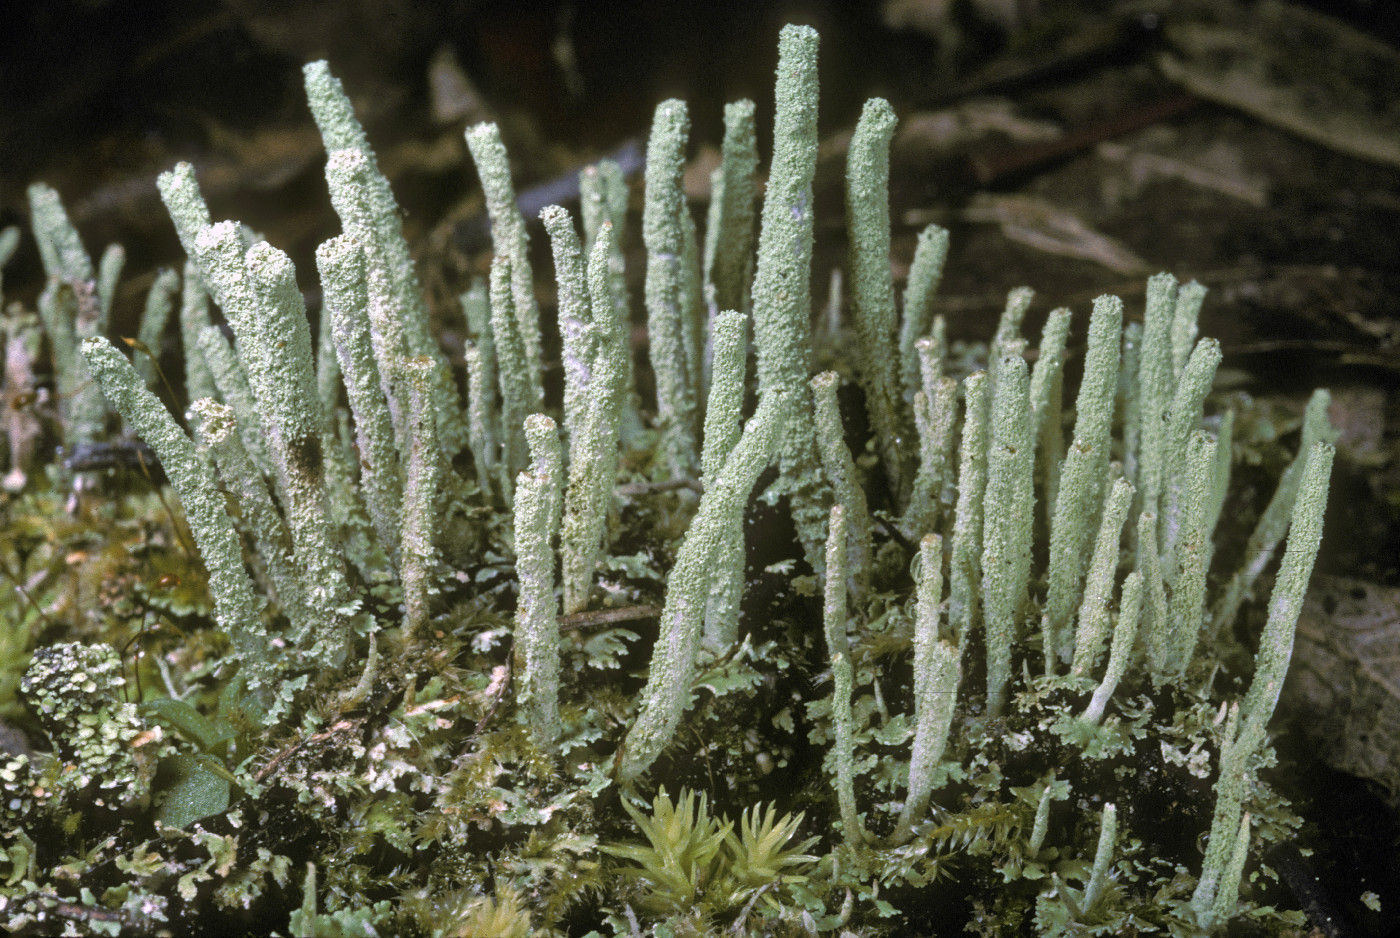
(378, 222)
(345, 297)
(479, 352)
(1184, 318)
(1156, 387)
(1291, 585)
(1273, 523)
(937, 674)
(109, 271)
(179, 190)
(925, 274)
(1080, 491)
(60, 248)
(232, 383)
(575, 316)
(663, 230)
(730, 231)
(537, 496)
(843, 676)
(934, 417)
(1245, 731)
(509, 240)
(1098, 583)
(872, 284)
(1008, 341)
(603, 197)
(236, 606)
(1047, 406)
(71, 311)
(1006, 532)
(1183, 416)
(1154, 624)
(841, 471)
(1103, 857)
(265, 307)
(155, 316)
(1124, 634)
(721, 511)
(421, 492)
(513, 369)
(593, 452)
(1239, 742)
(1187, 581)
(217, 430)
(348, 177)
(194, 316)
(965, 568)
(1131, 361)
(723, 426)
(782, 299)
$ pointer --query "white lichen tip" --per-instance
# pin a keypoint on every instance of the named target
(60, 248)
(330, 106)
(179, 190)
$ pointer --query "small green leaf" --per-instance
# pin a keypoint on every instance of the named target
(188, 721)
(191, 788)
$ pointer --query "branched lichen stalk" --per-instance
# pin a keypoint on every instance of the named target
(663, 230)
(236, 606)
(537, 495)
(1124, 633)
(228, 376)
(217, 431)
(593, 450)
(1273, 523)
(1082, 476)
(371, 213)
(267, 313)
(1098, 583)
(872, 285)
(1240, 741)
(664, 699)
(345, 296)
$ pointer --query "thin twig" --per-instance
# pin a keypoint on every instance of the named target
(597, 617)
(631, 489)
